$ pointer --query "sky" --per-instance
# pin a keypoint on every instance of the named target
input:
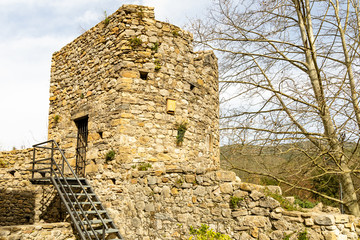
(31, 31)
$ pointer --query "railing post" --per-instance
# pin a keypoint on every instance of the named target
(52, 159)
(63, 161)
(33, 165)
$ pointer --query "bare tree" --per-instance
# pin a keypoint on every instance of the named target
(289, 71)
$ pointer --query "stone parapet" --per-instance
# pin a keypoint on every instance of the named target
(163, 205)
(44, 231)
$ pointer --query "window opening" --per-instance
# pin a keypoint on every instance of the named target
(143, 75)
(81, 145)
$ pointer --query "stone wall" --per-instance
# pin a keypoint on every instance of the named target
(20, 201)
(163, 205)
(121, 74)
(17, 205)
(45, 231)
(15, 163)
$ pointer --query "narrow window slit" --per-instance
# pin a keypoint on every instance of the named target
(143, 75)
(101, 134)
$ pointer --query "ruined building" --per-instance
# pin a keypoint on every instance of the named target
(128, 85)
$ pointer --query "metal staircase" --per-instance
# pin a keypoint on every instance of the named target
(87, 213)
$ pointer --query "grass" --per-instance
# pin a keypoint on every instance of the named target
(144, 166)
(135, 42)
(110, 155)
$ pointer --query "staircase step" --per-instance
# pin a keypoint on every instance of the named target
(92, 212)
(81, 194)
(107, 231)
(41, 181)
(87, 203)
(97, 221)
(71, 179)
(76, 186)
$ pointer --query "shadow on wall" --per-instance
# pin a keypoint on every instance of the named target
(51, 208)
(16, 207)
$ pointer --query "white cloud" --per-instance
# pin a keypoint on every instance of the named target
(24, 87)
(88, 17)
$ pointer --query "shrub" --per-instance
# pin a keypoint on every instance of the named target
(235, 201)
(3, 163)
(144, 166)
(56, 118)
(181, 127)
(110, 155)
(157, 64)
(284, 203)
(155, 48)
(304, 203)
(134, 42)
(206, 233)
(106, 19)
(303, 235)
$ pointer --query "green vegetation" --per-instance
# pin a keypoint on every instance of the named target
(268, 181)
(303, 235)
(106, 19)
(181, 128)
(56, 118)
(180, 182)
(206, 233)
(82, 96)
(155, 48)
(3, 163)
(157, 64)
(287, 237)
(235, 202)
(304, 203)
(284, 203)
(135, 42)
(175, 33)
(140, 14)
(144, 166)
(328, 185)
(282, 160)
(110, 155)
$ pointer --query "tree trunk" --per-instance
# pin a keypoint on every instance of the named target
(350, 198)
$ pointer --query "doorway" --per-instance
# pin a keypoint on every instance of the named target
(82, 137)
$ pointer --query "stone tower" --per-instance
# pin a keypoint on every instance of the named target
(126, 87)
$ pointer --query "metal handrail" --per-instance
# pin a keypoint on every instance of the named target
(56, 177)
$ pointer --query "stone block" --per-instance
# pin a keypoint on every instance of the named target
(225, 176)
(226, 188)
(200, 191)
(341, 218)
(330, 236)
(309, 222)
(324, 220)
(269, 202)
(190, 178)
(239, 212)
(152, 180)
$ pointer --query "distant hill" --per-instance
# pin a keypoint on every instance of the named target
(281, 160)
